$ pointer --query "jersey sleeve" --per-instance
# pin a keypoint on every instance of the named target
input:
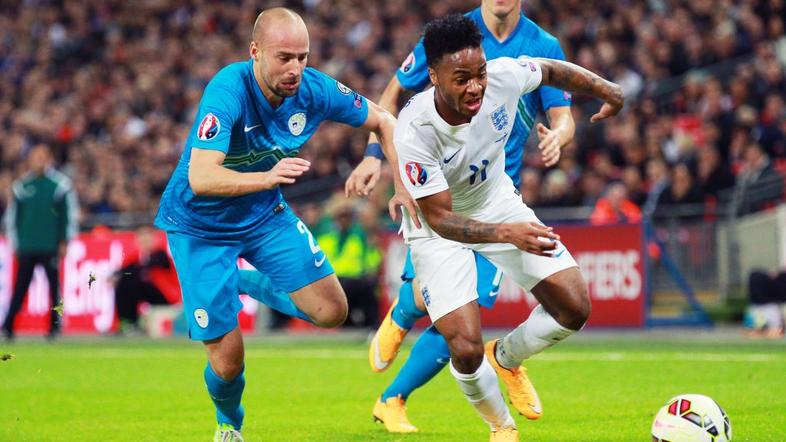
(419, 166)
(220, 109)
(340, 103)
(526, 72)
(551, 96)
(413, 73)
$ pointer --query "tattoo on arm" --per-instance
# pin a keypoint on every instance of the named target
(463, 229)
(568, 76)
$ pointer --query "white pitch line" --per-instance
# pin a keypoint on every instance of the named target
(362, 354)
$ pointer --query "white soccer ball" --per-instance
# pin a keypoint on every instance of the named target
(691, 418)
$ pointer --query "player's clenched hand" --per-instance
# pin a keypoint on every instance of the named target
(533, 238)
(285, 172)
(613, 104)
(364, 178)
(550, 145)
(403, 198)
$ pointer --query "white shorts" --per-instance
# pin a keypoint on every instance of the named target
(448, 276)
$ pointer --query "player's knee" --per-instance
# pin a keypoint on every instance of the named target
(466, 355)
(331, 314)
(227, 368)
(578, 310)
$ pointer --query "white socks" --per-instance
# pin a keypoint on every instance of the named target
(482, 391)
(537, 333)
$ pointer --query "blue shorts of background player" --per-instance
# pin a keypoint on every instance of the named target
(430, 353)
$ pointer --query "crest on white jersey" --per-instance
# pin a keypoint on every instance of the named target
(297, 123)
(500, 118)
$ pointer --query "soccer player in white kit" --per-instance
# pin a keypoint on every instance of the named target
(450, 142)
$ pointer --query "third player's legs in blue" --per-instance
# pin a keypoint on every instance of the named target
(406, 313)
(258, 286)
(429, 355)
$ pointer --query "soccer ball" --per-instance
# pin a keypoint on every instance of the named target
(691, 418)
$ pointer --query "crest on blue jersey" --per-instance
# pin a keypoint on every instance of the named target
(343, 88)
(297, 123)
(416, 173)
(409, 63)
(500, 118)
(208, 128)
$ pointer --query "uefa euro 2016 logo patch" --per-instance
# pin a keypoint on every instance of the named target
(499, 118)
(208, 128)
(416, 173)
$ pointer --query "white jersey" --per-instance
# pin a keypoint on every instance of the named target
(468, 159)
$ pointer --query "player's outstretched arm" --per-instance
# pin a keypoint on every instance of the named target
(364, 178)
(437, 209)
(558, 135)
(571, 77)
(208, 177)
(383, 124)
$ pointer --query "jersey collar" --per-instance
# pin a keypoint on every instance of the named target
(260, 97)
(487, 33)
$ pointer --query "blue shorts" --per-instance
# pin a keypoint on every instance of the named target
(208, 272)
(489, 278)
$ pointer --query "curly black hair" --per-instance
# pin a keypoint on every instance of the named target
(449, 34)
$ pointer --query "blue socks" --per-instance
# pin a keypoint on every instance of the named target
(226, 397)
(406, 313)
(258, 286)
(429, 355)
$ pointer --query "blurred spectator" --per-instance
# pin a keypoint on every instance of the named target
(146, 276)
(759, 185)
(556, 190)
(530, 186)
(658, 177)
(356, 259)
(40, 220)
(634, 184)
(713, 175)
(767, 310)
(615, 207)
(679, 191)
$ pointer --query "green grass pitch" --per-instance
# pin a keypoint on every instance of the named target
(594, 388)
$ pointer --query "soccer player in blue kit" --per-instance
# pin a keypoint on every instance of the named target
(507, 32)
(223, 202)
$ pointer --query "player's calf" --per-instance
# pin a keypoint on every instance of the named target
(565, 297)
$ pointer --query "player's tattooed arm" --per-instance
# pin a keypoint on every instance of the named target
(571, 77)
(530, 237)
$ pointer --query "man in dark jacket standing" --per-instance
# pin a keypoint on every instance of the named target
(40, 219)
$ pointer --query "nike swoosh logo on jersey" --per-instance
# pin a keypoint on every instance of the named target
(319, 262)
(448, 159)
(250, 128)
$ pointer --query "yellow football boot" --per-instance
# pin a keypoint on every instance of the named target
(393, 413)
(521, 392)
(509, 434)
(386, 343)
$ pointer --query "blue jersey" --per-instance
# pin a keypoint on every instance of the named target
(236, 119)
(527, 39)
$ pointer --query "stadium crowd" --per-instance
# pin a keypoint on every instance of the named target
(112, 87)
